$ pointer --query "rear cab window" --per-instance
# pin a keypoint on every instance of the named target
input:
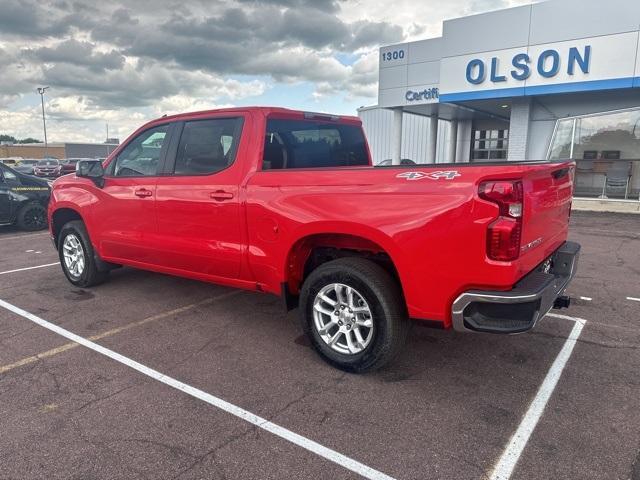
(291, 144)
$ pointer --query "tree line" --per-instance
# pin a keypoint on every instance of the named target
(12, 139)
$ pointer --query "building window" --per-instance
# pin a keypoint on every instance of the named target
(562, 142)
(490, 145)
(612, 136)
(606, 148)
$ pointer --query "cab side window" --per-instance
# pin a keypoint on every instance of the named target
(140, 158)
(207, 146)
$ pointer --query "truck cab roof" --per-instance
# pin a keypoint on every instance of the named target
(265, 111)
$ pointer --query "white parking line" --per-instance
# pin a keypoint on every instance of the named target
(588, 299)
(507, 462)
(633, 299)
(29, 268)
(307, 444)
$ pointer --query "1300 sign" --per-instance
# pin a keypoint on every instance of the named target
(394, 55)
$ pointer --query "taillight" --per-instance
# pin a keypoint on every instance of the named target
(504, 233)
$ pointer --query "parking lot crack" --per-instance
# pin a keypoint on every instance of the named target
(192, 354)
(100, 399)
(213, 452)
(174, 449)
(316, 389)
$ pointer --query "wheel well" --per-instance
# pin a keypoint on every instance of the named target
(60, 218)
(310, 252)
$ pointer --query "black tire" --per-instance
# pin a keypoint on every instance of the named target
(32, 217)
(90, 274)
(382, 294)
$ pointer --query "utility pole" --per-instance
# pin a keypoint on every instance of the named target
(41, 91)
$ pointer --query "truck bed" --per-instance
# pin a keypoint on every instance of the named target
(429, 219)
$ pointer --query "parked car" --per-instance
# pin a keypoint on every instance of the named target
(26, 166)
(49, 167)
(69, 165)
(10, 161)
(23, 199)
(288, 203)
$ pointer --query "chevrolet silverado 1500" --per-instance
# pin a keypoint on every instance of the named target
(289, 203)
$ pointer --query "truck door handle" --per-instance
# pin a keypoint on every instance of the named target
(143, 192)
(221, 195)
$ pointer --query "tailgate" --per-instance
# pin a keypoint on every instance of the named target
(548, 191)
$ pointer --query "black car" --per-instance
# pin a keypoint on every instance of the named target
(23, 199)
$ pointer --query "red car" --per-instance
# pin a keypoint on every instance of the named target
(49, 167)
(69, 165)
(288, 203)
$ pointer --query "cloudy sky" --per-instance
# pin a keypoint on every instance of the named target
(123, 63)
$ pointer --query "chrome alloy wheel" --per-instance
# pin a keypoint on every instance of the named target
(343, 319)
(73, 254)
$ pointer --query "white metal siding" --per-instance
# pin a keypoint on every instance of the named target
(378, 122)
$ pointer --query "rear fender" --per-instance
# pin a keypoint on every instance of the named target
(345, 236)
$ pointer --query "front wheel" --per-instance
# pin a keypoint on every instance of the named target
(32, 217)
(353, 312)
(77, 256)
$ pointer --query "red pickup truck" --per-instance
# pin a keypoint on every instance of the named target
(288, 203)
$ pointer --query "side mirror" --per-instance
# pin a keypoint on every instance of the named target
(91, 169)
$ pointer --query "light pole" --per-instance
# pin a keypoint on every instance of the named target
(41, 91)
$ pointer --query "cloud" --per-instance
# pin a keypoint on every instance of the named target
(30, 19)
(331, 6)
(14, 75)
(70, 119)
(361, 80)
(236, 40)
(124, 61)
(76, 52)
(477, 6)
(131, 54)
(134, 86)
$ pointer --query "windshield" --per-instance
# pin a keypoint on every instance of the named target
(48, 163)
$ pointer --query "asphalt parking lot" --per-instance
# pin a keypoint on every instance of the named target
(447, 409)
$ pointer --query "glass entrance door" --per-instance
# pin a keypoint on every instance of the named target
(489, 145)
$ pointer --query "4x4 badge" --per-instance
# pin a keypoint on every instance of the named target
(446, 174)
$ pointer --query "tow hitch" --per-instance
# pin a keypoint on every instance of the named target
(563, 301)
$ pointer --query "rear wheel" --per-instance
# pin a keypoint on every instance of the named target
(32, 217)
(77, 256)
(353, 312)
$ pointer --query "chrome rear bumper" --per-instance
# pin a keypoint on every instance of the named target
(517, 310)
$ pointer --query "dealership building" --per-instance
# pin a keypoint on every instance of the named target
(558, 79)
(57, 150)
